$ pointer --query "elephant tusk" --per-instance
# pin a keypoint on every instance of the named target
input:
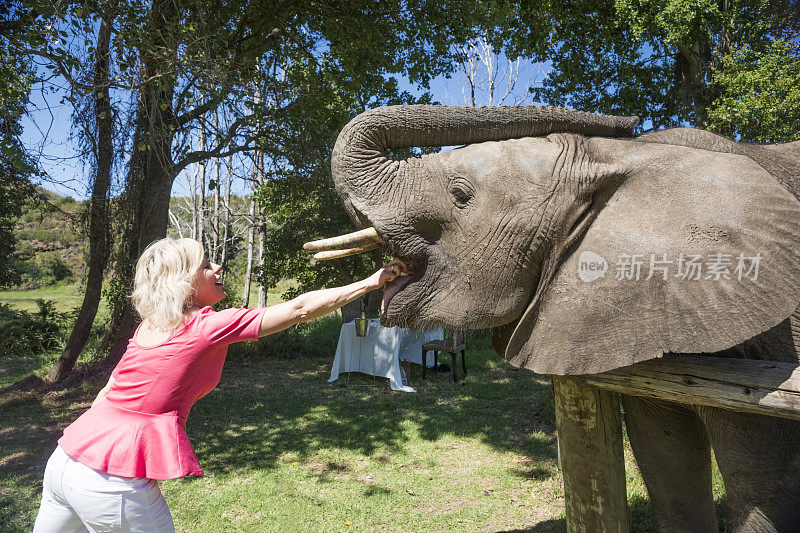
(366, 238)
(336, 254)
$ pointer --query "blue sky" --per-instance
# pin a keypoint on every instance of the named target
(48, 126)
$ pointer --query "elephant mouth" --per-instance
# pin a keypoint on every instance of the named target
(363, 241)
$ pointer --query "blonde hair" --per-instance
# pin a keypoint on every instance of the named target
(165, 279)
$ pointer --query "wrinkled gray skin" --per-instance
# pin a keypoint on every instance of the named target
(495, 229)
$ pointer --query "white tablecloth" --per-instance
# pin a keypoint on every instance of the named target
(379, 353)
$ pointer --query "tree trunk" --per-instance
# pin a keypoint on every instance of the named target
(223, 260)
(262, 292)
(373, 299)
(149, 184)
(696, 58)
(215, 252)
(352, 310)
(248, 272)
(98, 210)
(201, 215)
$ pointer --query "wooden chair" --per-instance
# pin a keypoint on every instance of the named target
(453, 347)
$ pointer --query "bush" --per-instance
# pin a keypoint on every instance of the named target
(51, 266)
(47, 268)
(27, 335)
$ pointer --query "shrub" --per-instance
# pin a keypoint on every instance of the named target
(48, 268)
(52, 267)
(27, 335)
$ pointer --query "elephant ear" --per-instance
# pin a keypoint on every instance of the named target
(717, 251)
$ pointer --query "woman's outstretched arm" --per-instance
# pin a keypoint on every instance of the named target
(314, 304)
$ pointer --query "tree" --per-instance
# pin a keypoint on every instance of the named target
(100, 134)
(758, 94)
(188, 47)
(328, 86)
(176, 61)
(655, 59)
(489, 78)
(16, 166)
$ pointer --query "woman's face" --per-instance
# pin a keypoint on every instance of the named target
(209, 285)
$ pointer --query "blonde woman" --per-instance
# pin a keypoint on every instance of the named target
(102, 475)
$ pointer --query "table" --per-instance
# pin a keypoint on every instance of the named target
(379, 353)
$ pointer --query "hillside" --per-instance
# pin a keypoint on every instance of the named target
(51, 243)
(52, 238)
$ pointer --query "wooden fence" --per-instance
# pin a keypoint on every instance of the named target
(590, 425)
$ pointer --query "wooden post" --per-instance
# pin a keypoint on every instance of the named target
(590, 452)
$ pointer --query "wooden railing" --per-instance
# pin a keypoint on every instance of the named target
(590, 426)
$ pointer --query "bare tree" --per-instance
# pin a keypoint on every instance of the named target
(215, 227)
(489, 78)
(200, 211)
(248, 273)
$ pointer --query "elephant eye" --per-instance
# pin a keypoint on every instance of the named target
(461, 190)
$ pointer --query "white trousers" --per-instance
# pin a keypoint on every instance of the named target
(78, 498)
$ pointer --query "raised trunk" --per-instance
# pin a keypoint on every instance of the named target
(360, 151)
(98, 211)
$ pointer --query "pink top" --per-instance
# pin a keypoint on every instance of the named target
(139, 428)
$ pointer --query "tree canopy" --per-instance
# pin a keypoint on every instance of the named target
(720, 64)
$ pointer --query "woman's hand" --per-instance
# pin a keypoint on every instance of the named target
(388, 273)
(317, 303)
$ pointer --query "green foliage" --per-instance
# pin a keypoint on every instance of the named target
(670, 62)
(31, 335)
(758, 94)
(16, 166)
(367, 44)
(317, 338)
(50, 242)
(677, 22)
(46, 268)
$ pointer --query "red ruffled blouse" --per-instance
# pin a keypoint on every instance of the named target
(139, 428)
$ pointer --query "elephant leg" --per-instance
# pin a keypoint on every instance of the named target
(673, 453)
(759, 458)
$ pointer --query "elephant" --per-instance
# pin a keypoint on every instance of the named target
(586, 248)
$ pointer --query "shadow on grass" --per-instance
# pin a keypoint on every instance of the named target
(265, 409)
(30, 425)
(556, 525)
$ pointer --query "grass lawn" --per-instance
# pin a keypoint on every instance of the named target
(285, 451)
(66, 297)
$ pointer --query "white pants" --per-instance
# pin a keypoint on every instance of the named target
(78, 498)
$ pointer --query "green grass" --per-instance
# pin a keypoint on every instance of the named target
(70, 296)
(285, 451)
(66, 297)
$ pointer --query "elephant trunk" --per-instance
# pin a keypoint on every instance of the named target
(361, 167)
(360, 154)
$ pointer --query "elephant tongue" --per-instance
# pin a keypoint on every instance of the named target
(391, 289)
